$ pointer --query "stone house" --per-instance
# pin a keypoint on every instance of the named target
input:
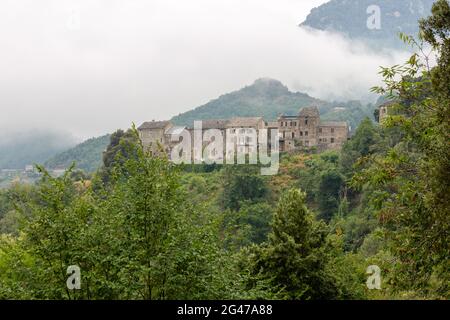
(383, 111)
(243, 133)
(302, 130)
(307, 130)
(217, 124)
(154, 134)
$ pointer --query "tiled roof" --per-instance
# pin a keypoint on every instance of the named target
(175, 130)
(283, 116)
(333, 124)
(214, 124)
(309, 112)
(244, 122)
(154, 125)
(272, 124)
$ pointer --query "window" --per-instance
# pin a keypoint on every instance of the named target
(306, 133)
(293, 135)
(306, 121)
(301, 133)
(332, 140)
(320, 130)
(332, 130)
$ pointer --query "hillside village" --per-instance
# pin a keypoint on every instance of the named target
(304, 130)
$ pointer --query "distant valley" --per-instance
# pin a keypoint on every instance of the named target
(25, 147)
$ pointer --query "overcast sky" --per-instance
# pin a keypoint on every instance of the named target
(90, 67)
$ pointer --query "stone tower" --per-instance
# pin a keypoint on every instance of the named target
(309, 121)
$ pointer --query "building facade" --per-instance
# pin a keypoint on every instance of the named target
(384, 111)
(304, 130)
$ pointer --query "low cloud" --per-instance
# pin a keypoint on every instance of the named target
(90, 67)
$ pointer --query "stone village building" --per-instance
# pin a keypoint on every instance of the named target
(384, 111)
(304, 130)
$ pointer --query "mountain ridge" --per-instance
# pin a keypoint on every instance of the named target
(86, 155)
(349, 17)
(266, 97)
(21, 148)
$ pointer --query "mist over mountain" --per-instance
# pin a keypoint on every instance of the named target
(265, 97)
(21, 148)
(268, 98)
(349, 17)
(87, 155)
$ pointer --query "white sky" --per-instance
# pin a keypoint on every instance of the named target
(90, 67)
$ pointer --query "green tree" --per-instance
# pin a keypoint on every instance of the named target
(242, 183)
(362, 144)
(136, 237)
(295, 257)
(166, 247)
(328, 196)
(249, 225)
(50, 234)
(118, 150)
(411, 180)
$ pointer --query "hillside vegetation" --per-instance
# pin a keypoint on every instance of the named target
(18, 149)
(87, 155)
(349, 17)
(268, 98)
